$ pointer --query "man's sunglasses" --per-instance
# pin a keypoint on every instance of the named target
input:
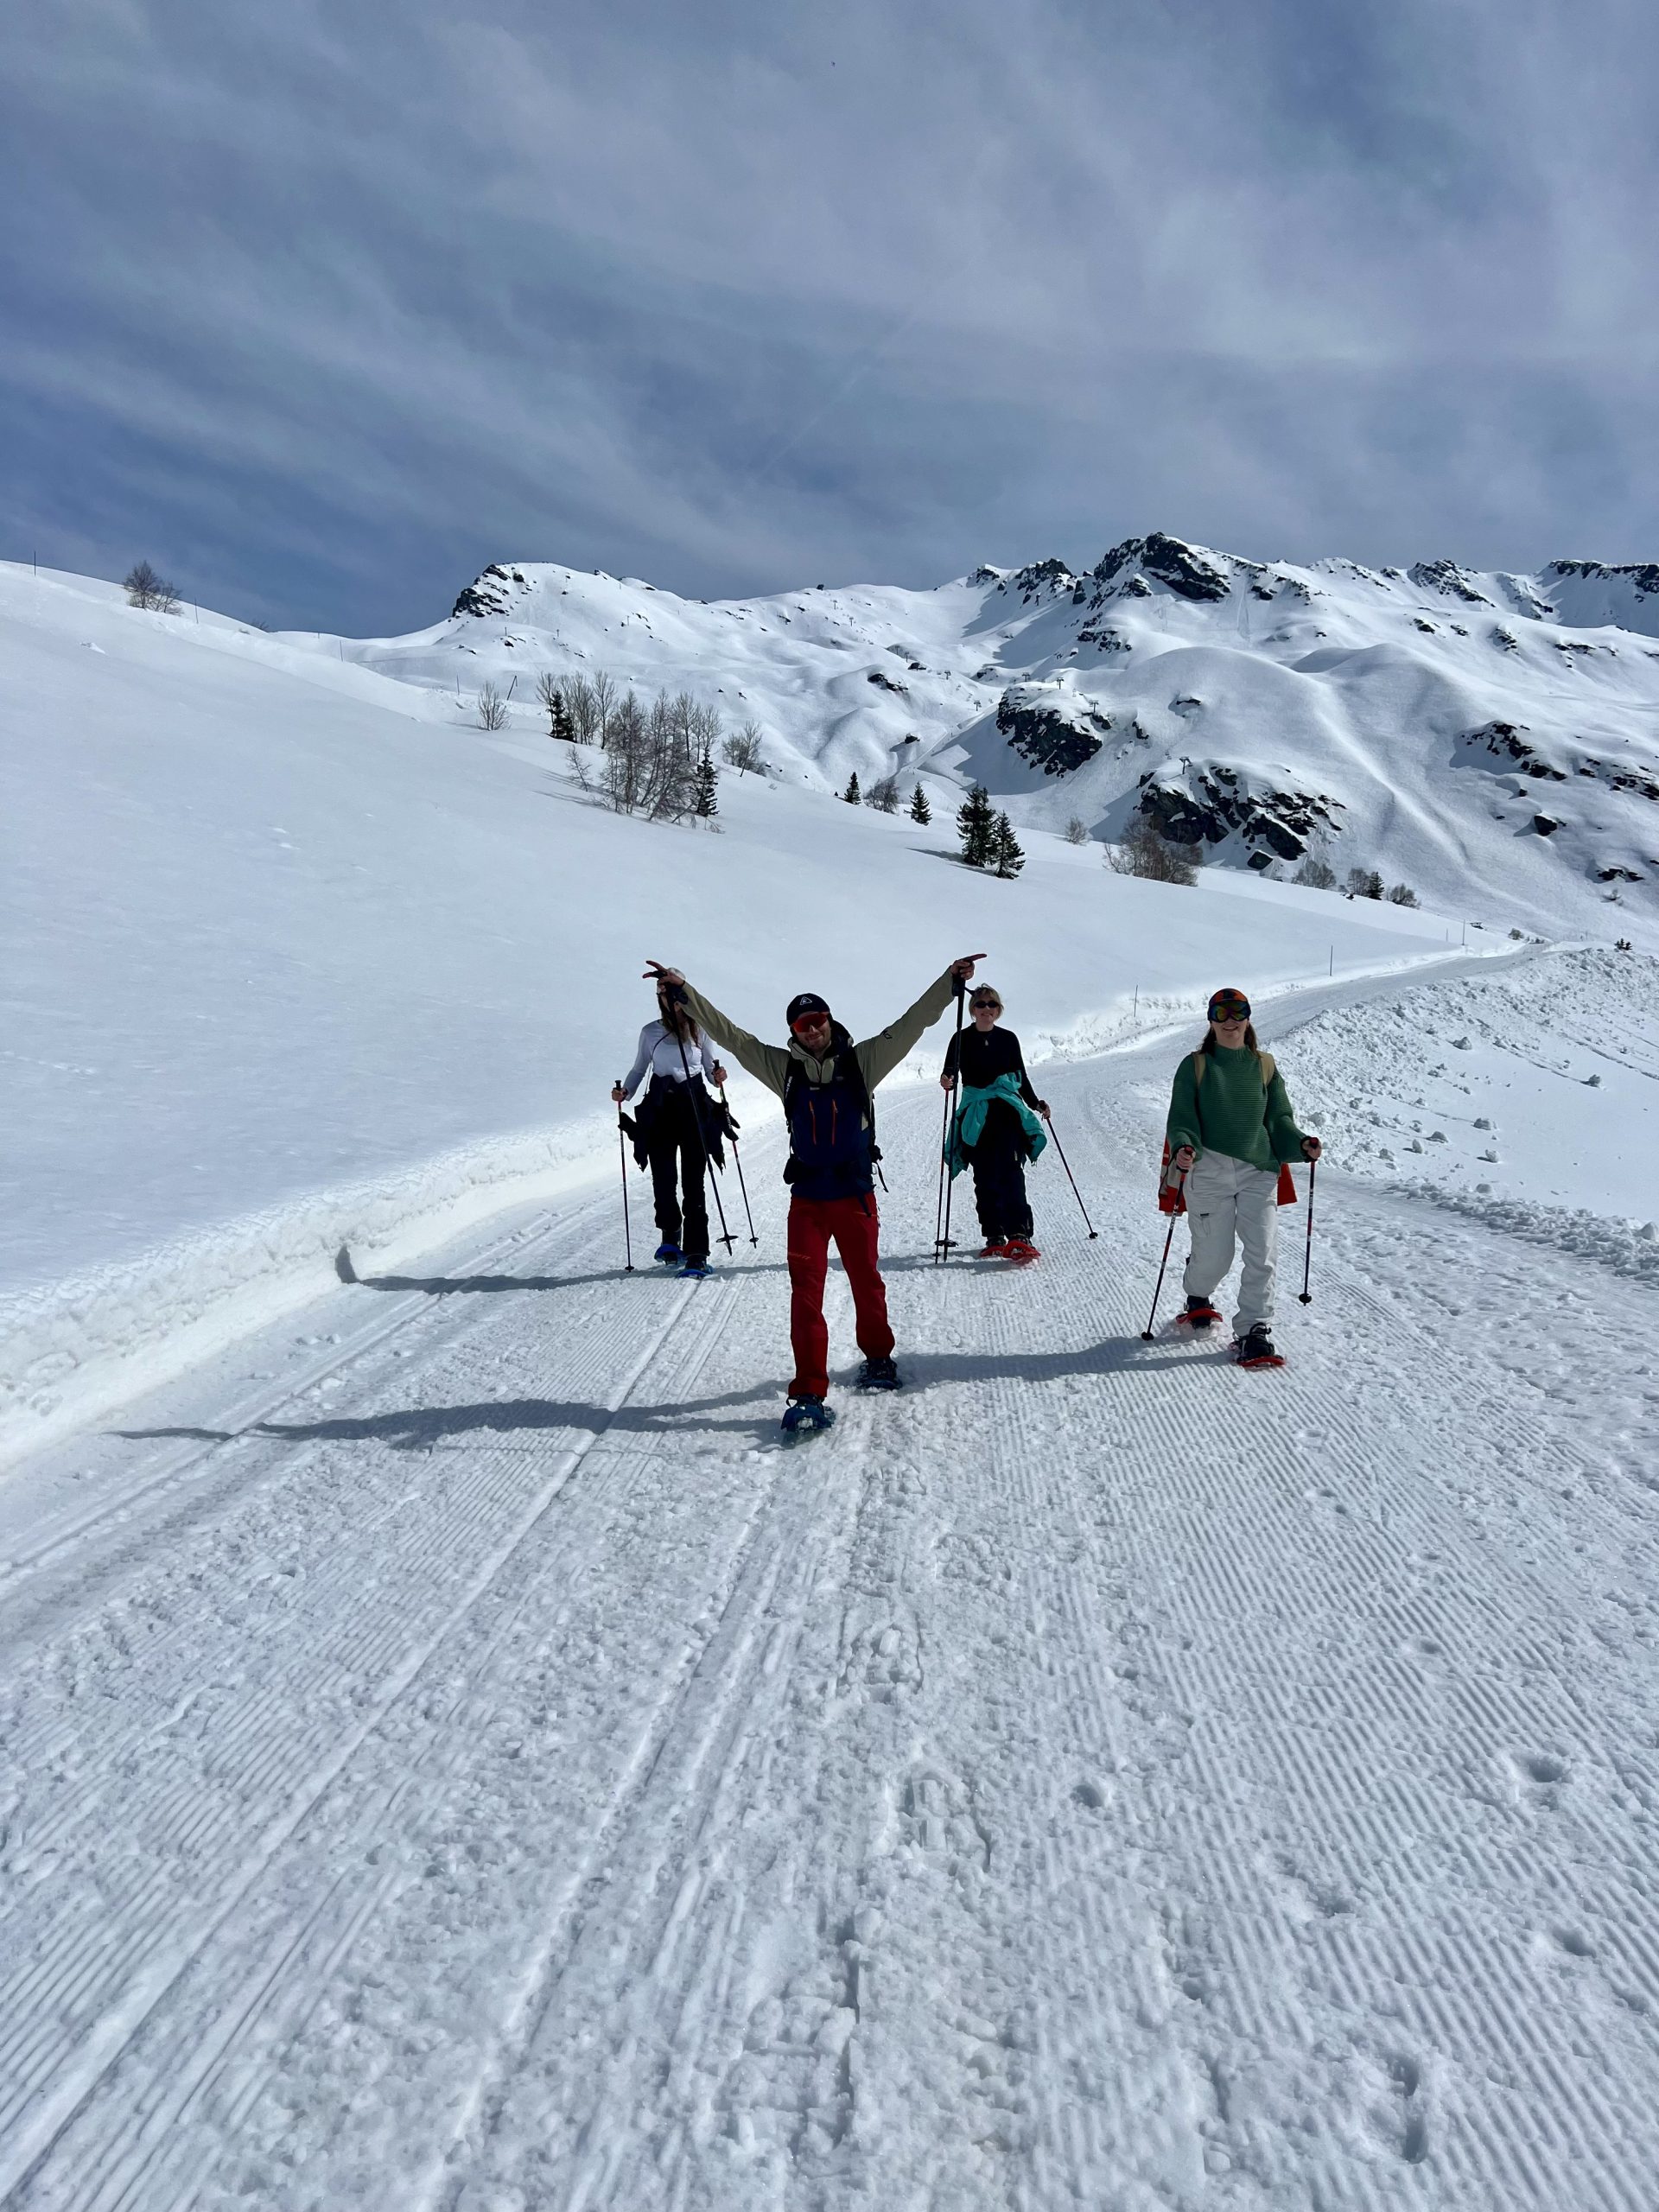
(805, 1022)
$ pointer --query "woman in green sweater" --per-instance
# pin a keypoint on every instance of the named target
(1230, 1130)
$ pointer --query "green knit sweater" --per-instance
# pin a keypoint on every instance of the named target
(1229, 1111)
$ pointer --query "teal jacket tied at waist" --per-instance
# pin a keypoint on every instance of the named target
(972, 1106)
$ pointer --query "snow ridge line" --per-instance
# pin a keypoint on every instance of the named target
(80, 2063)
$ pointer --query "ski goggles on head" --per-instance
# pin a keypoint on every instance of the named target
(1230, 1006)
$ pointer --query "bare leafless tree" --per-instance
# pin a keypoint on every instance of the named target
(492, 707)
(145, 588)
(1076, 831)
(707, 727)
(741, 750)
(603, 688)
(1146, 852)
(883, 796)
(582, 708)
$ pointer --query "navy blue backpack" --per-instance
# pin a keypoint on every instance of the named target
(832, 1148)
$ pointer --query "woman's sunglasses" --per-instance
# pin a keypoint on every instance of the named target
(978, 1006)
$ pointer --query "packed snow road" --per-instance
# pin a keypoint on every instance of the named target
(484, 1768)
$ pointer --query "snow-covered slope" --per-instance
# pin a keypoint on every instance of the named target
(297, 955)
(1492, 739)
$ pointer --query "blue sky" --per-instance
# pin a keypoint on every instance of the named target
(322, 309)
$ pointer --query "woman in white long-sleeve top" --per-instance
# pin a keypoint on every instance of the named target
(676, 1129)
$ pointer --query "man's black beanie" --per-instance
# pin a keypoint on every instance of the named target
(804, 1002)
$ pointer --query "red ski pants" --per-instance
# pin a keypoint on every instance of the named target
(855, 1225)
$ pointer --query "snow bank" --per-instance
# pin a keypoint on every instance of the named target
(1522, 1098)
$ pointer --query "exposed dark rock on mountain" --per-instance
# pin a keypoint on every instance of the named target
(1447, 577)
(1212, 802)
(488, 594)
(1508, 740)
(1643, 576)
(1102, 635)
(1048, 735)
(1171, 561)
(885, 683)
(1040, 578)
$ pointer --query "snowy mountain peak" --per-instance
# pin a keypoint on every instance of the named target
(1447, 578)
(1189, 571)
(1257, 711)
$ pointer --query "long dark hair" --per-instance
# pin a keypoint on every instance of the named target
(677, 1019)
(1250, 1044)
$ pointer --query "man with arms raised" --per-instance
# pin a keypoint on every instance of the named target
(825, 1081)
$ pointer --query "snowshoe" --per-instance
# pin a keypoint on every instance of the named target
(1199, 1315)
(996, 1248)
(806, 1416)
(879, 1375)
(1022, 1251)
(1256, 1350)
(669, 1254)
(697, 1267)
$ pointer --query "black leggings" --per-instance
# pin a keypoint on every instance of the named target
(999, 1164)
(675, 1149)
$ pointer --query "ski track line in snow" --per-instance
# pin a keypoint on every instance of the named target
(282, 1997)
(169, 1472)
(87, 1968)
(1060, 1784)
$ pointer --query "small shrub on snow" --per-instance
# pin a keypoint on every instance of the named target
(1401, 895)
(1076, 831)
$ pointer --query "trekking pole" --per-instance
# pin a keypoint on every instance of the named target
(1072, 1180)
(622, 1151)
(1174, 1215)
(737, 1161)
(942, 1243)
(696, 1122)
(945, 1143)
(1305, 1296)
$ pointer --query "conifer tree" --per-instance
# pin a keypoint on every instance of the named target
(919, 808)
(976, 825)
(851, 792)
(705, 785)
(1007, 855)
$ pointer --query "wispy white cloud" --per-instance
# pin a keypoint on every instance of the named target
(344, 302)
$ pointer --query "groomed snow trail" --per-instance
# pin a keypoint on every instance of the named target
(503, 1776)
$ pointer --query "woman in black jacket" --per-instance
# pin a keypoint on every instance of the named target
(998, 1133)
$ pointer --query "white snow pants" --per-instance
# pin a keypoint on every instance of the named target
(1223, 1196)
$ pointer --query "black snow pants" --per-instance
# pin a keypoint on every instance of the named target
(998, 1160)
(674, 1145)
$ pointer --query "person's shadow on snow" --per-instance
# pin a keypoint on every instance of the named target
(446, 1286)
(423, 1429)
